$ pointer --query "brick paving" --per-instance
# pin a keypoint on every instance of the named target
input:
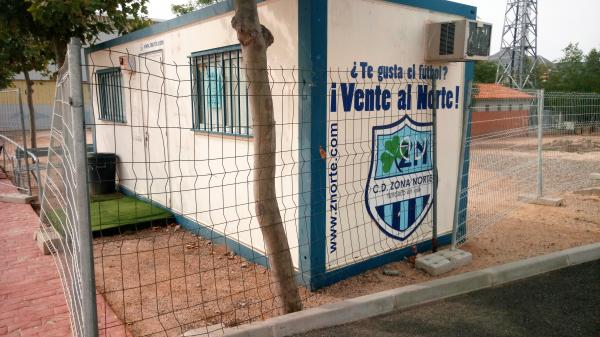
(31, 297)
(32, 302)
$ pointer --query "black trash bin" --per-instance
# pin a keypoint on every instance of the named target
(101, 172)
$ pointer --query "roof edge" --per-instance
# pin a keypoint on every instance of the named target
(165, 26)
(223, 7)
(444, 6)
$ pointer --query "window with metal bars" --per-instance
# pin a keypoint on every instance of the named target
(219, 92)
(110, 94)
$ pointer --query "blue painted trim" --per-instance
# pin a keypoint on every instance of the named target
(462, 209)
(443, 6)
(206, 232)
(312, 60)
(165, 26)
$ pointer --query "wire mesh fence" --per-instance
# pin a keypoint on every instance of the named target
(65, 209)
(183, 138)
(20, 165)
(177, 245)
(526, 145)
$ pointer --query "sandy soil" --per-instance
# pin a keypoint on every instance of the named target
(163, 280)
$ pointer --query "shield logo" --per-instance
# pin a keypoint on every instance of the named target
(399, 190)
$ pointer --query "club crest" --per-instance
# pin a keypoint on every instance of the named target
(398, 194)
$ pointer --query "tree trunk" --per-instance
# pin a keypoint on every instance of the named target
(255, 39)
(29, 93)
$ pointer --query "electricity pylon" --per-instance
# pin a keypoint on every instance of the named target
(518, 56)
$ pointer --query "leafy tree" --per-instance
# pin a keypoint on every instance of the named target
(485, 72)
(591, 77)
(6, 75)
(56, 21)
(35, 32)
(190, 6)
(21, 52)
(574, 71)
(255, 39)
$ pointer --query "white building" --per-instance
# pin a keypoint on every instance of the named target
(349, 80)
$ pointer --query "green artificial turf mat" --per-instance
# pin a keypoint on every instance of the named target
(117, 210)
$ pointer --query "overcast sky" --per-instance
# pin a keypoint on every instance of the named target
(559, 22)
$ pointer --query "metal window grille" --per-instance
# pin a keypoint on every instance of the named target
(110, 94)
(219, 92)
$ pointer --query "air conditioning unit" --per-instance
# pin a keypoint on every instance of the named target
(458, 41)
(127, 62)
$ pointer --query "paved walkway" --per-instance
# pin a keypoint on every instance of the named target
(32, 303)
(31, 297)
(561, 303)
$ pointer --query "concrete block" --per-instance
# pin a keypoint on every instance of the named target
(458, 257)
(17, 198)
(48, 240)
(433, 264)
(583, 254)
(544, 201)
(443, 261)
(527, 268)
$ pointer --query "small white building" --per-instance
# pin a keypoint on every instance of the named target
(353, 105)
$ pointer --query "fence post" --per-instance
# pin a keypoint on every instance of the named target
(88, 287)
(540, 133)
(25, 153)
(461, 165)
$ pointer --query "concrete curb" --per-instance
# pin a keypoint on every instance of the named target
(17, 198)
(401, 298)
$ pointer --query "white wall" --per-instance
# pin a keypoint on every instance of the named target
(205, 177)
(382, 33)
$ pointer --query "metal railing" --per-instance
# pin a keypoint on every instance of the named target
(17, 166)
(15, 156)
